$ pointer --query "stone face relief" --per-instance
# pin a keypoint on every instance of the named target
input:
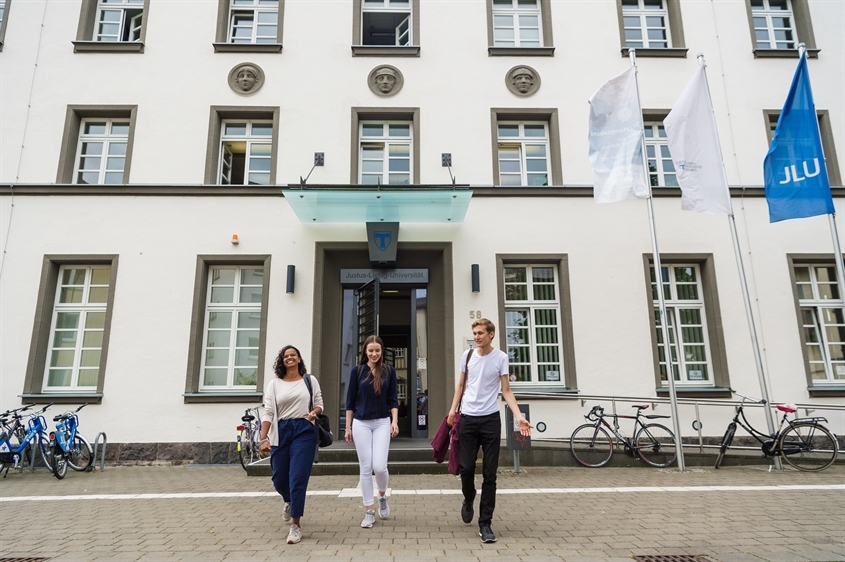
(522, 80)
(385, 80)
(246, 78)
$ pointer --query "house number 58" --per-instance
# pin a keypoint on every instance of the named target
(473, 314)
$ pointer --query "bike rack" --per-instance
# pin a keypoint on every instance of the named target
(103, 453)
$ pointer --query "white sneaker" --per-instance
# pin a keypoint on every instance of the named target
(369, 519)
(286, 512)
(383, 508)
(295, 534)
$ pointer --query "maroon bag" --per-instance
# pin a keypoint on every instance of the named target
(454, 447)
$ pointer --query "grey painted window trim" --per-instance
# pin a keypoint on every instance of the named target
(221, 112)
(792, 260)
(528, 114)
(37, 361)
(825, 132)
(70, 136)
(715, 329)
(547, 50)
(3, 25)
(676, 32)
(561, 261)
(192, 379)
(85, 43)
(803, 28)
(386, 114)
(221, 45)
(359, 50)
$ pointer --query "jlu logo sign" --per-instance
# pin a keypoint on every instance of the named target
(382, 239)
(794, 177)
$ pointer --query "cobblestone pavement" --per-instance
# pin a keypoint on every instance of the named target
(735, 514)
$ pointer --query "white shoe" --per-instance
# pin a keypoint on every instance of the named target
(295, 534)
(369, 519)
(383, 508)
(286, 512)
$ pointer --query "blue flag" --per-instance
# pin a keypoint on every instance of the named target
(796, 179)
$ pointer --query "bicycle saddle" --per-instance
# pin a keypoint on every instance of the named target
(788, 408)
(640, 407)
(62, 417)
(247, 418)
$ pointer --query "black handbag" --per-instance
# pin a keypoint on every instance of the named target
(323, 425)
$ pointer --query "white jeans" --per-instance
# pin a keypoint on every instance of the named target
(372, 442)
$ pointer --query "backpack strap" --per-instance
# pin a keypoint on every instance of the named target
(307, 378)
(466, 376)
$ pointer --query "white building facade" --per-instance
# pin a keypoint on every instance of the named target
(147, 244)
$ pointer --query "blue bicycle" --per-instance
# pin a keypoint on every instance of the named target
(35, 437)
(69, 448)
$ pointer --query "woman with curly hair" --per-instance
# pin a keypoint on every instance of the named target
(289, 433)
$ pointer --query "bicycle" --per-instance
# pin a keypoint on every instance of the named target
(803, 443)
(248, 438)
(36, 433)
(68, 447)
(592, 446)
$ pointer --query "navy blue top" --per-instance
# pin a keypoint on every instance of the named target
(361, 396)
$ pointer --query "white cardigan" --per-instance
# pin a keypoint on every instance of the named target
(276, 397)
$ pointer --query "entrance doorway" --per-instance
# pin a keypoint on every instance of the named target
(398, 314)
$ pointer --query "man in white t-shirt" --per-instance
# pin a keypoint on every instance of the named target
(484, 372)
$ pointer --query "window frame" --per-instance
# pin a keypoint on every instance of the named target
(85, 34)
(520, 141)
(107, 139)
(74, 117)
(37, 362)
(249, 139)
(214, 148)
(658, 142)
(222, 42)
(386, 141)
(720, 374)
(802, 26)
(550, 117)
(196, 345)
(4, 19)
(674, 22)
(387, 114)
(814, 388)
(547, 39)
(828, 139)
(361, 50)
(560, 262)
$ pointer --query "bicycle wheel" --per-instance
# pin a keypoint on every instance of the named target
(591, 445)
(246, 451)
(656, 445)
(80, 456)
(45, 450)
(726, 442)
(59, 464)
(808, 446)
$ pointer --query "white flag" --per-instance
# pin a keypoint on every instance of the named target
(694, 146)
(616, 128)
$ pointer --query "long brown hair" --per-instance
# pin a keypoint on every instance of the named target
(377, 380)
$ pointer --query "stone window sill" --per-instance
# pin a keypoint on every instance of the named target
(382, 51)
(63, 398)
(520, 51)
(783, 53)
(833, 390)
(247, 47)
(697, 392)
(675, 52)
(222, 397)
(107, 47)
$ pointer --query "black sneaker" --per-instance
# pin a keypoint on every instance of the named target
(486, 534)
(467, 512)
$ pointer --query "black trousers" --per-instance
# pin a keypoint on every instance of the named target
(484, 432)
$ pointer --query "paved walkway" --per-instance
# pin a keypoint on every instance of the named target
(735, 514)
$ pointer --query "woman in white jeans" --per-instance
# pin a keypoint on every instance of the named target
(371, 400)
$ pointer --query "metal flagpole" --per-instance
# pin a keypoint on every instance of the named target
(837, 251)
(746, 296)
(658, 279)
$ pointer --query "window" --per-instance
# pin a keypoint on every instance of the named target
(385, 153)
(4, 14)
(519, 27)
(526, 148)
(821, 313)
(228, 334)
(537, 330)
(385, 150)
(777, 26)
(661, 169)
(826, 134)
(101, 152)
(67, 360)
(241, 146)
(97, 145)
(249, 26)
(112, 25)
(653, 27)
(523, 154)
(246, 152)
(385, 27)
